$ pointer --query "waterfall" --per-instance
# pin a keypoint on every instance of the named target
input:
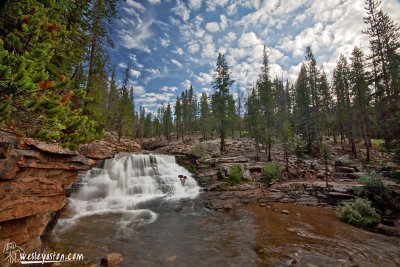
(127, 181)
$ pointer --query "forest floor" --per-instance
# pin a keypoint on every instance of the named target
(311, 183)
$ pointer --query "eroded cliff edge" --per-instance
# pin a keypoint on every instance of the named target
(33, 176)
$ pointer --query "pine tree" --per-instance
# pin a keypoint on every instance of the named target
(254, 118)
(384, 38)
(204, 115)
(112, 106)
(342, 85)
(302, 111)
(266, 101)
(179, 120)
(221, 84)
(313, 77)
(361, 93)
(36, 97)
(231, 119)
(99, 15)
(167, 124)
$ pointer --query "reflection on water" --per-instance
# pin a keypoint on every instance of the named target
(186, 234)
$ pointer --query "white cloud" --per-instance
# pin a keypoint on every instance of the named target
(135, 73)
(212, 27)
(122, 65)
(179, 51)
(169, 88)
(193, 47)
(136, 37)
(165, 42)
(204, 78)
(153, 97)
(186, 84)
(194, 4)
(249, 39)
(135, 5)
(154, 2)
(181, 10)
(154, 71)
(224, 22)
(229, 37)
(138, 89)
(176, 62)
(213, 4)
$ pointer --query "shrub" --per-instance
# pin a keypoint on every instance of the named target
(395, 175)
(235, 175)
(378, 144)
(359, 213)
(271, 172)
(192, 168)
(375, 190)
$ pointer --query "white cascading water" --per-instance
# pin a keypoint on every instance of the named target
(126, 181)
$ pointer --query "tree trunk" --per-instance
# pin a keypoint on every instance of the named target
(222, 147)
(366, 140)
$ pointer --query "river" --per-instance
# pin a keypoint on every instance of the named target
(137, 205)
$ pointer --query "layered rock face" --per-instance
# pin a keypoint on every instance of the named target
(32, 179)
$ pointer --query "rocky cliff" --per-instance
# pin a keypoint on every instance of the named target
(33, 176)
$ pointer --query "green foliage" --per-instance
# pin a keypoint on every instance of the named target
(378, 144)
(375, 190)
(222, 82)
(192, 168)
(271, 172)
(36, 96)
(235, 175)
(395, 175)
(359, 213)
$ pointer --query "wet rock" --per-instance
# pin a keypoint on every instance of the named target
(111, 260)
(285, 212)
(298, 214)
(320, 175)
(388, 230)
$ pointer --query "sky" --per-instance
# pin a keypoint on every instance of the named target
(172, 44)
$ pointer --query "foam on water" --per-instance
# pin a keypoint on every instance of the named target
(127, 181)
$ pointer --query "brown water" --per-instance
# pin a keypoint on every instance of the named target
(187, 234)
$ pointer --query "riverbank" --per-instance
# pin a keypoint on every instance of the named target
(310, 182)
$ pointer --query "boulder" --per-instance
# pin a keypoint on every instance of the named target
(343, 161)
(53, 148)
(97, 150)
